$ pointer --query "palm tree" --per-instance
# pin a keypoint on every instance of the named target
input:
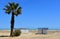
(15, 10)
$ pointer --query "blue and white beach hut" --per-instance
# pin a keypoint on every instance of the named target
(42, 30)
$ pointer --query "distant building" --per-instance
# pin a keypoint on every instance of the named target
(23, 30)
(42, 30)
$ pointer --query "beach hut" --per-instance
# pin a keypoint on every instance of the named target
(42, 30)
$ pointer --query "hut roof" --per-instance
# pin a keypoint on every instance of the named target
(43, 28)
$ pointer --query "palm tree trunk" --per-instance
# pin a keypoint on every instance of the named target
(12, 24)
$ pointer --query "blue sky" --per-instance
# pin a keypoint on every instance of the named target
(35, 14)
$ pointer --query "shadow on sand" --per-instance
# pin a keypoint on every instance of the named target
(4, 36)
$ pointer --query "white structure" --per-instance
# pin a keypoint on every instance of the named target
(24, 30)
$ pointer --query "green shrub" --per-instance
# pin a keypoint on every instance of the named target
(17, 33)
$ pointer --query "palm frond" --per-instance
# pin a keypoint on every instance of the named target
(16, 5)
(4, 9)
(8, 11)
(7, 6)
(19, 10)
(15, 13)
(12, 5)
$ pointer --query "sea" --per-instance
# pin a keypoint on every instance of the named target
(26, 28)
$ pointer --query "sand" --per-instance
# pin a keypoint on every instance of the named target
(52, 34)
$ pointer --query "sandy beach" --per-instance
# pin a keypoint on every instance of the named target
(52, 34)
